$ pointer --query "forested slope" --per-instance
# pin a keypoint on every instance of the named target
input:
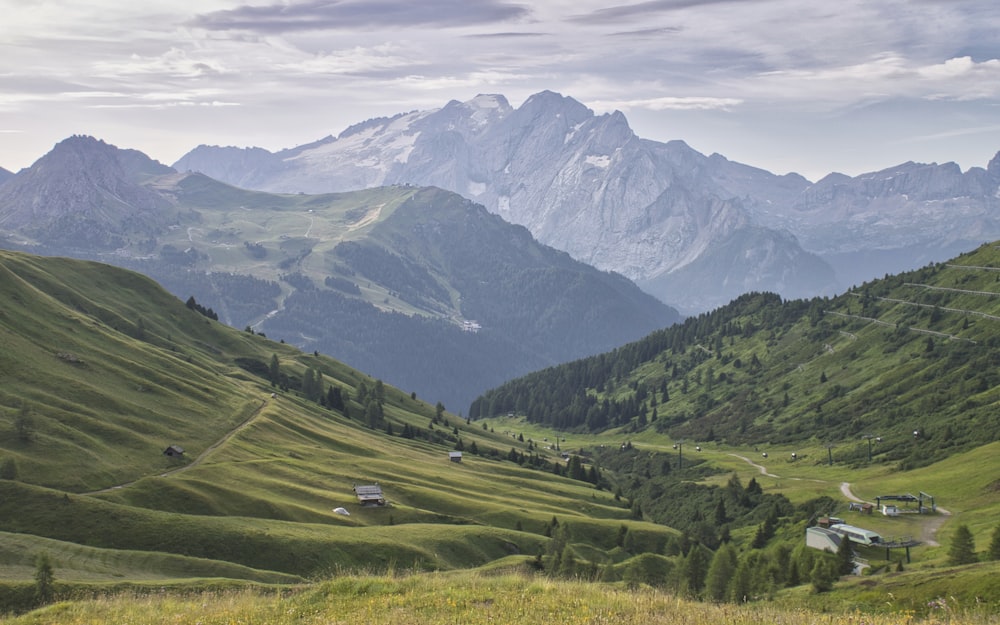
(910, 359)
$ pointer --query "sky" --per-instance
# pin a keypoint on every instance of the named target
(802, 86)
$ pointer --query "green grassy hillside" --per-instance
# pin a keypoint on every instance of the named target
(106, 370)
(383, 278)
(908, 360)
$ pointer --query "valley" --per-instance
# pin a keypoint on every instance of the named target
(101, 386)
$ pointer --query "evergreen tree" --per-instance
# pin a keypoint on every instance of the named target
(963, 547)
(373, 414)
(994, 551)
(720, 571)
(334, 399)
(824, 573)
(720, 513)
(695, 569)
(308, 386)
(845, 556)
(379, 391)
(741, 586)
(274, 370)
(44, 578)
(8, 469)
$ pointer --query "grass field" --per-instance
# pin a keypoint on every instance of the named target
(243, 526)
(438, 599)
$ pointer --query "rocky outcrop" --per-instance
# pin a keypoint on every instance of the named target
(85, 193)
(580, 182)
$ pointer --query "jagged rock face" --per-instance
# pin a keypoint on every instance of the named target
(85, 192)
(907, 205)
(587, 185)
(579, 182)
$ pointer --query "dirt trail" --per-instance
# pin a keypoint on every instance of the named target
(761, 468)
(928, 528)
(197, 461)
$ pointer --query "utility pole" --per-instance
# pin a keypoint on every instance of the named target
(869, 437)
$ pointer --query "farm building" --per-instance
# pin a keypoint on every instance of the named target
(174, 451)
(369, 495)
(455, 456)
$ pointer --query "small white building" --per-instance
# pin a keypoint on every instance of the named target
(455, 456)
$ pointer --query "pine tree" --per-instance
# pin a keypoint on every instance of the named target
(334, 399)
(845, 556)
(963, 547)
(373, 414)
(823, 574)
(8, 469)
(695, 569)
(994, 551)
(44, 578)
(274, 371)
(741, 586)
(720, 571)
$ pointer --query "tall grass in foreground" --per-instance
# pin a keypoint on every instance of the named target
(469, 599)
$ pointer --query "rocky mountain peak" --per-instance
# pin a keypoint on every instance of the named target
(994, 166)
(84, 189)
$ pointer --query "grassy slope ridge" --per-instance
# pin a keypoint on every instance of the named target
(108, 369)
(914, 352)
(257, 506)
(342, 273)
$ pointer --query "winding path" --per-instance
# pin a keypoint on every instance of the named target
(197, 461)
(928, 528)
(761, 468)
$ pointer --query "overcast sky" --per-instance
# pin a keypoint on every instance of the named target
(786, 85)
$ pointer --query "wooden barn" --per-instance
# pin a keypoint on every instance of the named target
(369, 495)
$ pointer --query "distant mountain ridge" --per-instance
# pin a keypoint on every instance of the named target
(658, 213)
(417, 286)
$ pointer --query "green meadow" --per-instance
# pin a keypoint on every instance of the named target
(103, 370)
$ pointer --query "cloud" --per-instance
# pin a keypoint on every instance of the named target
(670, 104)
(630, 12)
(951, 134)
(365, 14)
(883, 77)
(174, 62)
(356, 60)
(649, 32)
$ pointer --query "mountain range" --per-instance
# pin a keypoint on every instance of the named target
(694, 230)
(414, 285)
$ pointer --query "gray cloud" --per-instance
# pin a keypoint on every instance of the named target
(347, 14)
(649, 32)
(510, 35)
(627, 12)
